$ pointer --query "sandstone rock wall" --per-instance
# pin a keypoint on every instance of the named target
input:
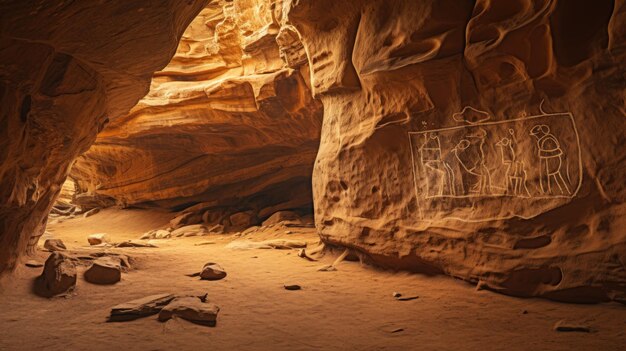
(438, 155)
(228, 122)
(66, 69)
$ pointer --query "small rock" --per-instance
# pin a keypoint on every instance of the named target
(328, 268)
(91, 212)
(396, 294)
(162, 234)
(191, 309)
(566, 326)
(104, 270)
(292, 287)
(289, 232)
(481, 285)
(407, 298)
(54, 245)
(210, 271)
(98, 238)
(59, 276)
(302, 253)
(138, 308)
(33, 264)
(148, 235)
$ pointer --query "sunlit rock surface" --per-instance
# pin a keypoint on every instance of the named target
(57, 90)
(230, 122)
(437, 154)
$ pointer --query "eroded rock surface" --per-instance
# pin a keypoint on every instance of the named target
(228, 122)
(66, 70)
(437, 154)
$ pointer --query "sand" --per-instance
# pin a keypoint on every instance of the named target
(348, 309)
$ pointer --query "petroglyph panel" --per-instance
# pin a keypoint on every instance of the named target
(496, 170)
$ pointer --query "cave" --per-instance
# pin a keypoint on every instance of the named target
(313, 174)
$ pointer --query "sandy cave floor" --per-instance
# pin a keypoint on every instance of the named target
(348, 309)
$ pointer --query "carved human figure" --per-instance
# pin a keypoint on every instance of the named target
(470, 154)
(515, 173)
(430, 156)
(551, 155)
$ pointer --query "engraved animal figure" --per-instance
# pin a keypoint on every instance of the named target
(550, 161)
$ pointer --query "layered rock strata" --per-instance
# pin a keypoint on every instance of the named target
(67, 68)
(230, 122)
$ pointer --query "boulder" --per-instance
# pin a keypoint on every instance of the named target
(191, 309)
(54, 245)
(59, 276)
(186, 218)
(242, 220)
(97, 239)
(139, 308)
(281, 216)
(104, 270)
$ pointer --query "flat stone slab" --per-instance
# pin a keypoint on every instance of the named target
(143, 307)
(132, 243)
(191, 309)
(279, 244)
(33, 264)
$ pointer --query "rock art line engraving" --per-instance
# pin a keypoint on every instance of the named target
(515, 163)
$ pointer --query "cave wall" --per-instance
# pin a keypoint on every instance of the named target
(230, 122)
(480, 139)
(58, 89)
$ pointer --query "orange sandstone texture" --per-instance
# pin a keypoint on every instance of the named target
(437, 154)
(228, 122)
(66, 69)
